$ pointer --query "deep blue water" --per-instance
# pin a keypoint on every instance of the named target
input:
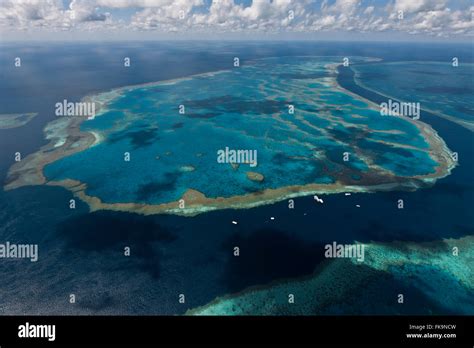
(437, 86)
(81, 253)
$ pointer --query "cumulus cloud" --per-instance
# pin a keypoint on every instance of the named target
(430, 17)
(21, 13)
(411, 6)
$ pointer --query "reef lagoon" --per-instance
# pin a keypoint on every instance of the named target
(135, 203)
(311, 136)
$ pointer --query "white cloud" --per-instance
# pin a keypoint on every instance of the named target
(22, 13)
(412, 6)
(430, 17)
(369, 10)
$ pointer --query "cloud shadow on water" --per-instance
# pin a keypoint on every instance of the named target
(110, 232)
(266, 255)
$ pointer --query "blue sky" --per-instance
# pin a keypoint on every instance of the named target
(237, 19)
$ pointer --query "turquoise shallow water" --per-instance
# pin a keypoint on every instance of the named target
(431, 279)
(246, 108)
(82, 251)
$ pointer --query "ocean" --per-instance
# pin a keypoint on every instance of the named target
(81, 253)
